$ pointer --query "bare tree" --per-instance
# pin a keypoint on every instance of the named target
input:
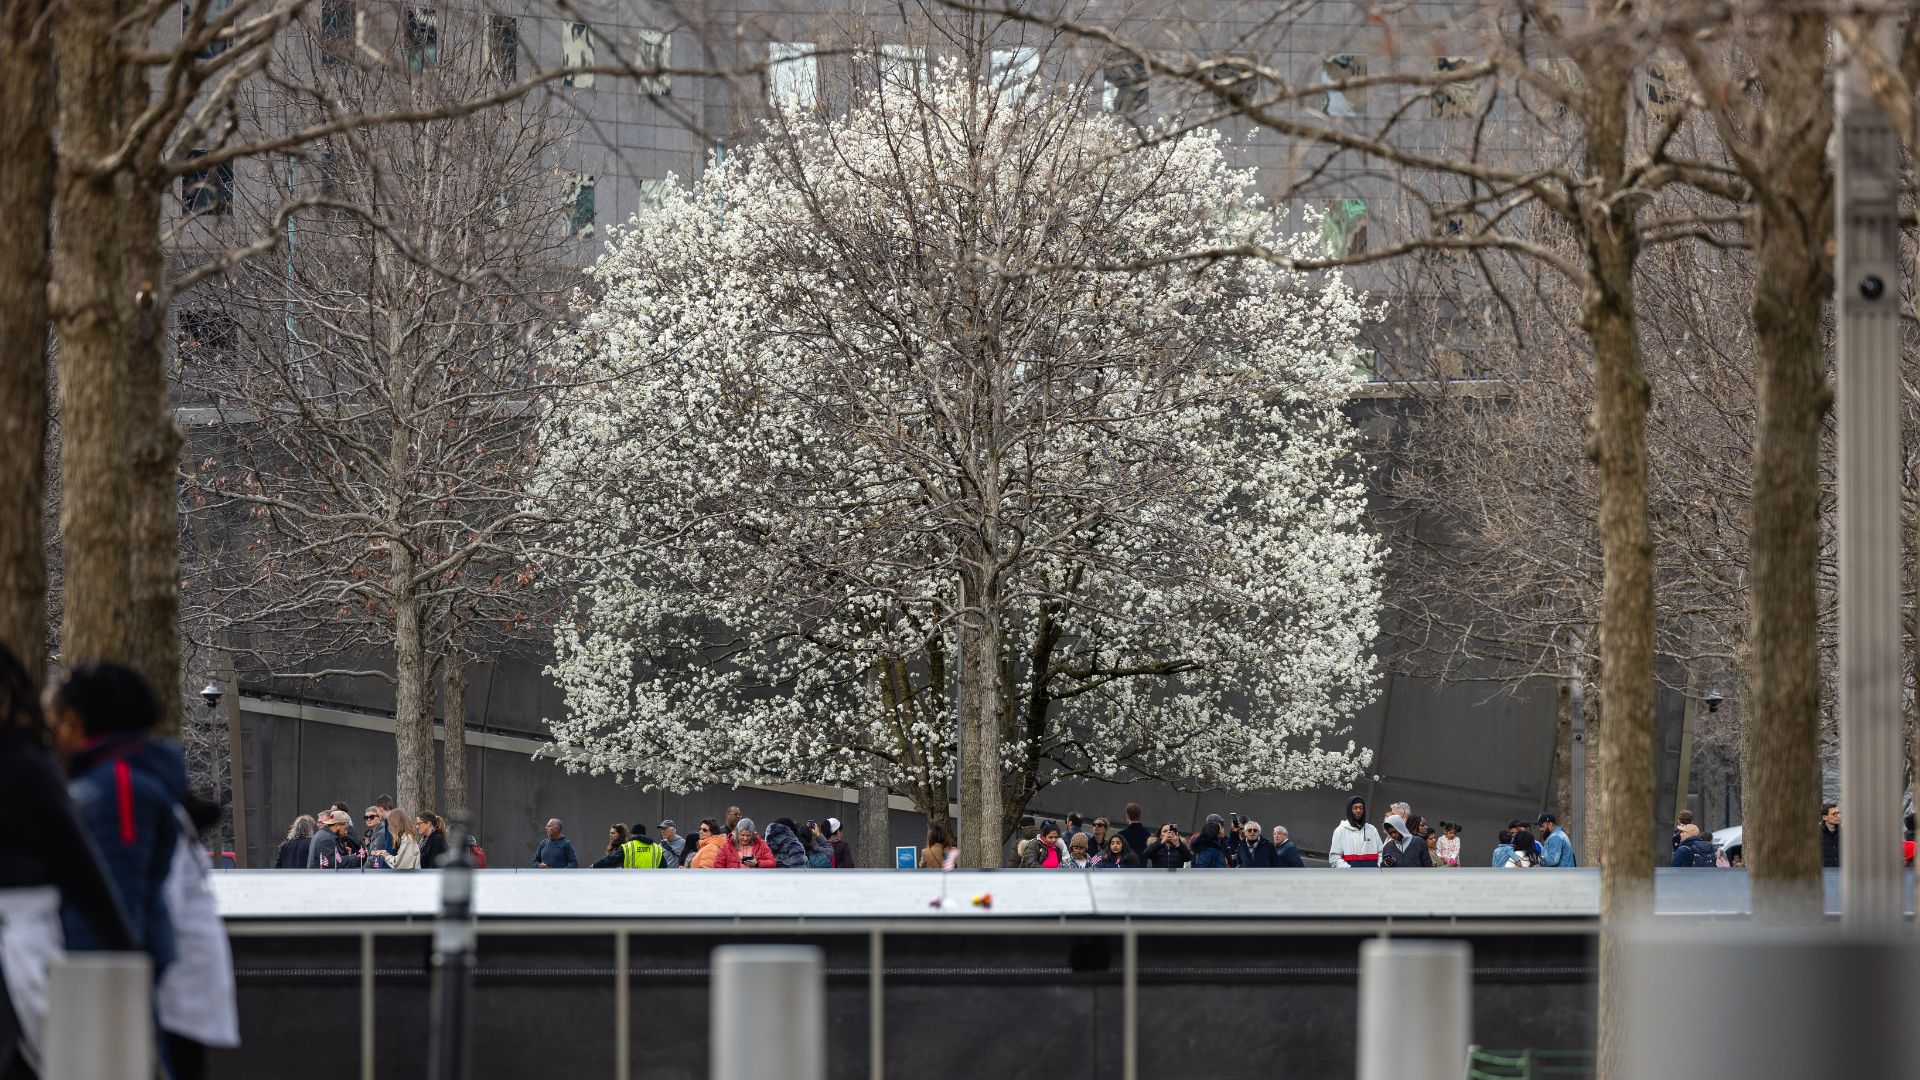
(379, 384)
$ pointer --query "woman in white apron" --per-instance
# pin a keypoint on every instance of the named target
(45, 859)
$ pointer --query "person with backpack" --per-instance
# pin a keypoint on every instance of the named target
(819, 851)
(1696, 849)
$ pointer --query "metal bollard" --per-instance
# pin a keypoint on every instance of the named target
(453, 946)
(768, 1013)
(1741, 1002)
(1426, 1042)
(100, 1017)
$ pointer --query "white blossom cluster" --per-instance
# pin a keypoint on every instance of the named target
(947, 337)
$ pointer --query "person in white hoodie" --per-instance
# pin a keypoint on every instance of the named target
(1354, 839)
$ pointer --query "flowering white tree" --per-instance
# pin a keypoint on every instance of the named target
(890, 471)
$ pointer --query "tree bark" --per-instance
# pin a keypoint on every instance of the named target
(874, 847)
(1612, 241)
(1561, 801)
(88, 315)
(453, 748)
(1791, 223)
(981, 691)
(412, 720)
(153, 446)
(26, 190)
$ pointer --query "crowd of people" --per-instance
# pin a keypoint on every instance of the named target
(110, 862)
(1402, 840)
(389, 839)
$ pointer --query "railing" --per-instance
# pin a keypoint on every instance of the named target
(876, 931)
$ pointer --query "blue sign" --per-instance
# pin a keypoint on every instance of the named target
(905, 858)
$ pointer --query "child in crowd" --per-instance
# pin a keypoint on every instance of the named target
(1446, 850)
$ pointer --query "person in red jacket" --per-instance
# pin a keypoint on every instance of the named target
(747, 849)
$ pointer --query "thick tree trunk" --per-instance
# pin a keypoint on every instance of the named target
(26, 190)
(453, 748)
(412, 718)
(1611, 234)
(873, 847)
(1791, 225)
(1593, 823)
(88, 313)
(153, 445)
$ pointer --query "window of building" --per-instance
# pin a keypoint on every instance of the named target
(337, 22)
(1454, 227)
(793, 74)
(423, 38)
(1663, 89)
(207, 191)
(1233, 77)
(1451, 100)
(576, 51)
(655, 54)
(903, 65)
(1343, 228)
(214, 10)
(579, 203)
(653, 197)
(1559, 72)
(202, 335)
(1125, 89)
(1343, 100)
(503, 47)
(1011, 72)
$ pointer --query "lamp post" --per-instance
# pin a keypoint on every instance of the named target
(1866, 272)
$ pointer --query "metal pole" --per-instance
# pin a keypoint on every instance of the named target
(367, 1057)
(769, 1013)
(1867, 276)
(622, 1009)
(100, 1017)
(453, 946)
(876, 1005)
(1424, 1041)
(1130, 1003)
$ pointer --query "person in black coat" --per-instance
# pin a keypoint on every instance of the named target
(47, 862)
(1830, 834)
(1252, 850)
(293, 850)
(433, 842)
(1168, 851)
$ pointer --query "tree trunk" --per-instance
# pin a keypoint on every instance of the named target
(1791, 226)
(1611, 236)
(26, 190)
(873, 847)
(453, 749)
(153, 445)
(980, 781)
(412, 720)
(87, 312)
(1561, 801)
(1593, 831)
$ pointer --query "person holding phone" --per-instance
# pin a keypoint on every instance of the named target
(747, 851)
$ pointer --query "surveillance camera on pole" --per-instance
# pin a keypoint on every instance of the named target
(1713, 700)
(211, 695)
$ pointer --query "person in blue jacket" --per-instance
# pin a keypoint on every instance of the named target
(125, 785)
(555, 851)
(1555, 848)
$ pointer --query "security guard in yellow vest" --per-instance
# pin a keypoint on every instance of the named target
(641, 853)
